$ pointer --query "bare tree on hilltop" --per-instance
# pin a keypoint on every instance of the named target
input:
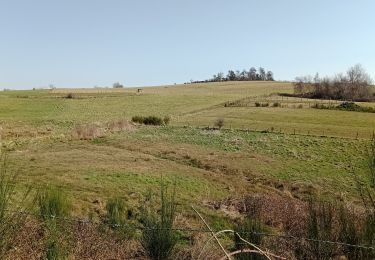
(353, 85)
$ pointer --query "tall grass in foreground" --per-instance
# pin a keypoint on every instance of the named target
(335, 222)
(367, 193)
(53, 206)
(10, 219)
(250, 230)
(368, 197)
(118, 217)
(350, 233)
(371, 162)
(158, 237)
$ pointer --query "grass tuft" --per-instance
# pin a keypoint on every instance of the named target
(118, 217)
(53, 203)
(158, 237)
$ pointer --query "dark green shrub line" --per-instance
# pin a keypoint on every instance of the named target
(345, 106)
(257, 104)
(151, 120)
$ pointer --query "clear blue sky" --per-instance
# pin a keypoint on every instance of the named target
(82, 43)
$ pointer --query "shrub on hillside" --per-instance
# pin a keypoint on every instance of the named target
(219, 123)
(69, 96)
(138, 119)
(351, 106)
(257, 104)
(345, 106)
(167, 120)
(150, 120)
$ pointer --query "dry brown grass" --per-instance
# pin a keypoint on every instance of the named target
(87, 132)
(97, 130)
(121, 125)
(88, 243)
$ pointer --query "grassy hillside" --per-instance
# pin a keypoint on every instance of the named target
(281, 148)
(37, 129)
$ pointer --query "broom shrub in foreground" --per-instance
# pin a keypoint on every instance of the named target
(158, 237)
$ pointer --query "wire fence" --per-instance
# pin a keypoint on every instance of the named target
(280, 101)
(295, 131)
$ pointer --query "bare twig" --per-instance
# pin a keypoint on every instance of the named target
(213, 234)
(247, 251)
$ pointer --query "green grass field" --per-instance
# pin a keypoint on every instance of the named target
(289, 150)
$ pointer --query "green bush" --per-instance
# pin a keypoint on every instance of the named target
(149, 120)
(153, 120)
(346, 106)
(167, 120)
(276, 104)
(257, 104)
(158, 236)
(69, 96)
(138, 119)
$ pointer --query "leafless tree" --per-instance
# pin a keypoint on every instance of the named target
(355, 84)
